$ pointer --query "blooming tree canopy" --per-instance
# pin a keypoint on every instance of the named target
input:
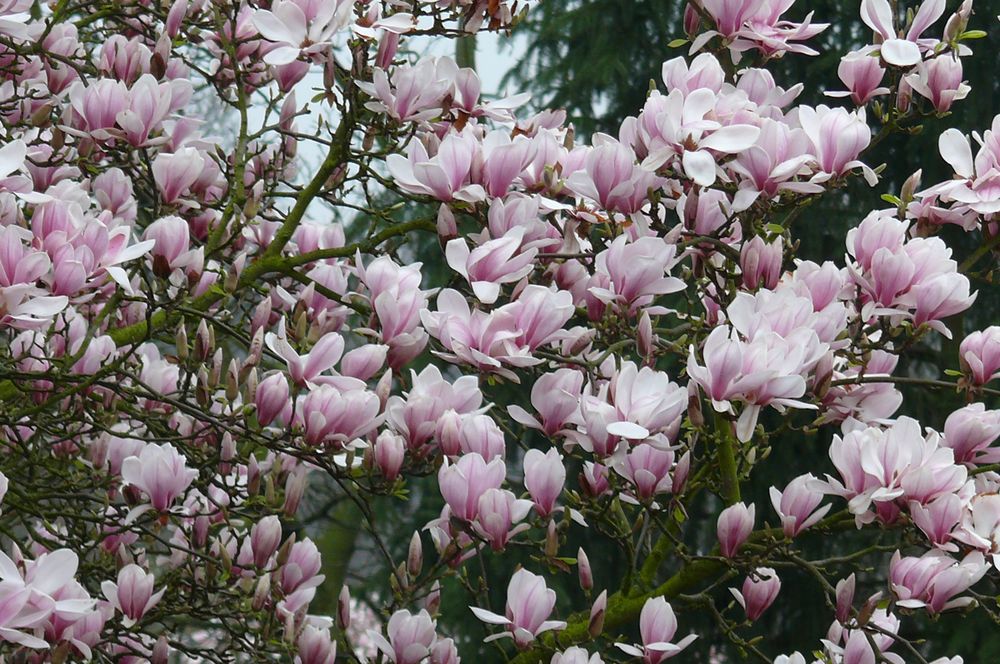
(216, 227)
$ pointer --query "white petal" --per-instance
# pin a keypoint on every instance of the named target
(955, 150)
(734, 138)
(489, 616)
(900, 52)
(700, 167)
(628, 430)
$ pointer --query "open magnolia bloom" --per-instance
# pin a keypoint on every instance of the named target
(529, 604)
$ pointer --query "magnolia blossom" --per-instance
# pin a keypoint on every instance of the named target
(491, 264)
(544, 477)
(159, 471)
(979, 354)
(411, 637)
(529, 604)
(555, 397)
(464, 482)
(734, 527)
(133, 594)
(933, 580)
(300, 27)
(657, 626)
(878, 467)
(758, 593)
(796, 505)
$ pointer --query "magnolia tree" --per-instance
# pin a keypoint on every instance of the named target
(209, 213)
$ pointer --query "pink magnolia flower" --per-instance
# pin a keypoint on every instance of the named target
(938, 519)
(173, 239)
(315, 646)
(878, 230)
(734, 527)
(446, 176)
(34, 599)
(703, 72)
(301, 569)
(389, 453)
(978, 180)
(862, 74)
(979, 354)
(759, 591)
(682, 130)
(647, 467)
(767, 32)
(504, 158)
(765, 371)
(773, 163)
(657, 627)
(760, 263)
(878, 15)
(480, 433)
(529, 604)
(878, 467)
(415, 92)
(365, 361)
(300, 27)
(159, 471)
(555, 397)
(933, 580)
(463, 482)
(133, 594)
(576, 655)
(491, 264)
(969, 431)
(273, 400)
(488, 341)
(265, 537)
(544, 478)
(979, 525)
(612, 178)
(96, 106)
(940, 81)
(838, 138)
(332, 415)
(645, 399)
(176, 173)
(416, 416)
(796, 505)
(539, 314)
(20, 264)
(411, 637)
(497, 512)
(636, 272)
(305, 369)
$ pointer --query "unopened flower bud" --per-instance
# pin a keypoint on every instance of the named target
(181, 342)
(552, 540)
(845, 599)
(265, 537)
(446, 227)
(295, 486)
(415, 556)
(262, 592)
(433, 600)
(597, 612)
(204, 342)
(227, 450)
(344, 609)
(161, 651)
(584, 570)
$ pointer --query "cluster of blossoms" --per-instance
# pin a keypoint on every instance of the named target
(194, 351)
